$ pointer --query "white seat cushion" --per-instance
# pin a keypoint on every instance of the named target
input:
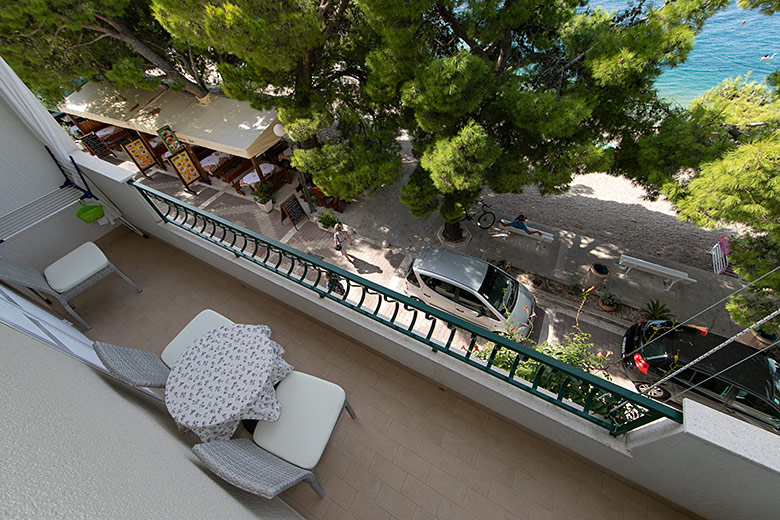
(310, 408)
(75, 267)
(197, 327)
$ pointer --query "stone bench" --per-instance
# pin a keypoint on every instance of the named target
(544, 238)
(671, 276)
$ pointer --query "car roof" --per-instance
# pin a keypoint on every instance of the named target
(751, 372)
(448, 265)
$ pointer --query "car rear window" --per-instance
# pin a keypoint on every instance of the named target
(499, 290)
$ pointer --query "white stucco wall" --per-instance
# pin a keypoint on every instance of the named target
(27, 173)
(75, 444)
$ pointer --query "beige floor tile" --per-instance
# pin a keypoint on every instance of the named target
(421, 494)
(390, 474)
(447, 485)
(451, 511)
(395, 503)
(412, 463)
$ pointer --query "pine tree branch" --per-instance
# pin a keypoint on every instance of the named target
(30, 35)
(122, 33)
(458, 29)
(506, 44)
(334, 21)
(86, 43)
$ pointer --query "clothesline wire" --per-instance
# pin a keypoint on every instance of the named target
(722, 371)
(678, 325)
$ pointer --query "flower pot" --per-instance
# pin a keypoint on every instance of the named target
(329, 230)
(596, 276)
(604, 307)
(266, 207)
(763, 337)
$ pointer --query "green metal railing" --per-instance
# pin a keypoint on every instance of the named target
(595, 399)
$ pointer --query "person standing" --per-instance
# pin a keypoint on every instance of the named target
(340, 238)
(519, 223)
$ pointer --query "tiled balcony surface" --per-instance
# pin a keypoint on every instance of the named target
(416, 451)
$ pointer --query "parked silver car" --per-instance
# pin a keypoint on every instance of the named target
(471, 289)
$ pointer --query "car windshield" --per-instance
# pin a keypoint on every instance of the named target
(499, 290)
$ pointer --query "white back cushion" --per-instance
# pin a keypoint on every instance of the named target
(199, 325)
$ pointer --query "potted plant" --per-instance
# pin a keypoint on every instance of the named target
(327, 220)
(263, 197)
(609, 302)
(655, 310)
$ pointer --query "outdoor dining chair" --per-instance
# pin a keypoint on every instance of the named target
(145, 369)
(67, 277)
(282, 453)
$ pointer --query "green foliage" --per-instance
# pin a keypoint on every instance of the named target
(576, 350)
(55, 45)
(459, 163)
(547, 84)
(309, 60)
(328, 219)
(740, 101)
(655, 310)
(419, 194)
(610, 300)
(130, 72)
(766, 6)
(262, 193)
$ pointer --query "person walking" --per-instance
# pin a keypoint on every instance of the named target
(519, 223)
(334, 284)
(340, 238)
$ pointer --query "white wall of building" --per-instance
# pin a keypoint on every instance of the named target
(27, 173)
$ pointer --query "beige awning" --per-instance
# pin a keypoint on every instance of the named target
(225, 124)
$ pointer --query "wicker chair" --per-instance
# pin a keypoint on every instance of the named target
(139, 368)
(67, 277)
(283, 452)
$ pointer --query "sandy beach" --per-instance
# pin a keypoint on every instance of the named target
(614, 210)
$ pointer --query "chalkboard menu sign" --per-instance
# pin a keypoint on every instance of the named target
(96, 145)
(292, 208)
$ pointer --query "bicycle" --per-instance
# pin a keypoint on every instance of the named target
(482, 216)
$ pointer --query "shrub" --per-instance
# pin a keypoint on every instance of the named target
(262, 193)
(328, 219)
(655, 310)
(610, 300)
(575, 287)
(576, 349)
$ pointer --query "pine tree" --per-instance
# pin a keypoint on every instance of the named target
(55, 45)
(554, 89)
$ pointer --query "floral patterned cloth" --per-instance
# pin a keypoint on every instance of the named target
(226, 375)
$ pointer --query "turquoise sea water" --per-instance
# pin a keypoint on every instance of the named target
(725, 48)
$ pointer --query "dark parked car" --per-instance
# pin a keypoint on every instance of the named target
(737, 375)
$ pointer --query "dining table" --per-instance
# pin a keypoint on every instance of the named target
(226, 375)
(214, 161)
(253, 178)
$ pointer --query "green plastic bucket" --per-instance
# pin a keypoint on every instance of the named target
(90, 212)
